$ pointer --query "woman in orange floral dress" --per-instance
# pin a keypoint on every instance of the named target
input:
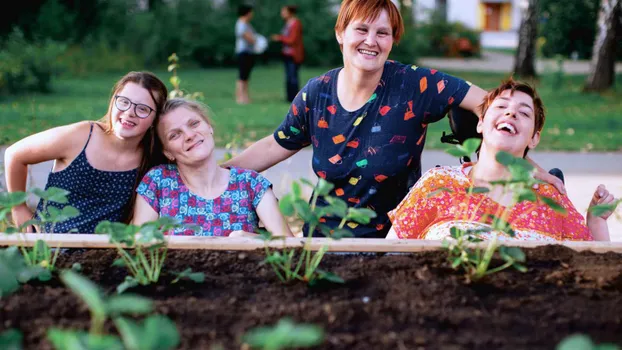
(513, 119)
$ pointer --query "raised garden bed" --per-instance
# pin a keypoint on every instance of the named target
(389, 301)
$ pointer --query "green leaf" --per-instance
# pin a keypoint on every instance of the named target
(512, 253)
(72, 340)
(336, 206)
(52, 194)
(11, 339)
(12, 199)
(160, 333)
(44, 275)
(329, 276)
(286, 204)
(576, 342)
(130, 282)
(601, 209)
(456, 152)
(77, 267)
(455, 232)
(438, 191)
(504, 158)
(296, 190)
(340, 233)
(198, 277)
(456, 262)
(285, 334)
(360, 215)
(88, 291)
(128, 304)
(527, 194)
(471, 145)
(130, 332)
(304, 212)
(324, 187)
(307, 182)
(476, 190)
(551, 203)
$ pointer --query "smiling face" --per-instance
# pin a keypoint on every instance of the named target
(186, 136)
(366, 44)
(126, 124)
(509, 124)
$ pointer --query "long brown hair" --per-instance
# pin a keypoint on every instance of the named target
(151, 145)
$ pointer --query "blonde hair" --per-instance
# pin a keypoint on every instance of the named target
(198, 107)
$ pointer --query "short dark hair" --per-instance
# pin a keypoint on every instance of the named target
(292, 9)
(243, 10)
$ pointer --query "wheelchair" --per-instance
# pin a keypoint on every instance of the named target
(463, 125)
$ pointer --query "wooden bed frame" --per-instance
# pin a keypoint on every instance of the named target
(225, 243)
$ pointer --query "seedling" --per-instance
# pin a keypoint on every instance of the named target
(198, 277)
(476, 261)
(40, 254)
(283, 262)
(14, 270)
(173, 66)
(142, 249)
(155, 332)
(284, 335)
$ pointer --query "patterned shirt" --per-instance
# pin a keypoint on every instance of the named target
(424, 214)
(371, 155)
(99, 195)
(235, 209)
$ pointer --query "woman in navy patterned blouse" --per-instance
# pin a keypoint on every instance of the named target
(367, 120)
(212, 201)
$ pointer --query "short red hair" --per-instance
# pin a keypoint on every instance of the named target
(513, 85)
(369, 10)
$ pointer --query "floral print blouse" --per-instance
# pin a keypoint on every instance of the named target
(429, 213)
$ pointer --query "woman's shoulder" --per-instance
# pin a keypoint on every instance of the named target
(446, 171)
(163, 171)
(247, 175)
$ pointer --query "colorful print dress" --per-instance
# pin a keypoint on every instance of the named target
(426, 213)
(235, 209)
(371, 155)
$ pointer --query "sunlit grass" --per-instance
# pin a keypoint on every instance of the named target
(575, 121)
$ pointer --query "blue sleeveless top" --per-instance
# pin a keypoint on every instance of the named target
(98, 195)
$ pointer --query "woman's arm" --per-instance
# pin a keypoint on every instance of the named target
(261, 155)
(269, 213)
(473, 99)
(58, 144)
(143, 212)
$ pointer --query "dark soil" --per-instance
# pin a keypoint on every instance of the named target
(389, 301)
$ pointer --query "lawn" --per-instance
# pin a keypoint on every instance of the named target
(575, 121)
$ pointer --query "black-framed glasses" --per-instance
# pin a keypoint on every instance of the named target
(123, 104)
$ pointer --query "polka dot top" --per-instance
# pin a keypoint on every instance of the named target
(98, 195)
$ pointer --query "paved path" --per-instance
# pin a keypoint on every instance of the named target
(500, 62)
(583, 173)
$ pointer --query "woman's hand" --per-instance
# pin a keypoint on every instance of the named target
(20, 215)
(242, 234)
(601, 196)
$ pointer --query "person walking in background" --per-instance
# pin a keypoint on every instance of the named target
(245, 37)
(293, 49)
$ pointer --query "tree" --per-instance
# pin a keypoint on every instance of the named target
(524, 62)
(602, 66)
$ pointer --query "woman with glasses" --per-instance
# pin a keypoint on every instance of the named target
(99, 163)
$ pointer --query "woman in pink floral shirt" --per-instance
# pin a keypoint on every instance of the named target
(513, 117)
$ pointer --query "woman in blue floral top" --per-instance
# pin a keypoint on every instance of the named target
(212, 200)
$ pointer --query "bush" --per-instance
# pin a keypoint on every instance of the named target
(441, 38)
(98, 56)
(568, 26)
(28, 66)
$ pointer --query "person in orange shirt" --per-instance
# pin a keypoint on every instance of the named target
(293, 49)
(513, 117)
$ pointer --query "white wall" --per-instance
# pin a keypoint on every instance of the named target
(465, 11)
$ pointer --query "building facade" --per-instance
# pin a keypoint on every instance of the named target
(497, 20)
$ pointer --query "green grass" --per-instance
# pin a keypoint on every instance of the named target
(575, 121)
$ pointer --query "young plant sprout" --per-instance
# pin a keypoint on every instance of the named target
(155, 332)
(40, 254)
(284, 335)
(285, 262)
(583, 342)
(142, 249)
(463, 250)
